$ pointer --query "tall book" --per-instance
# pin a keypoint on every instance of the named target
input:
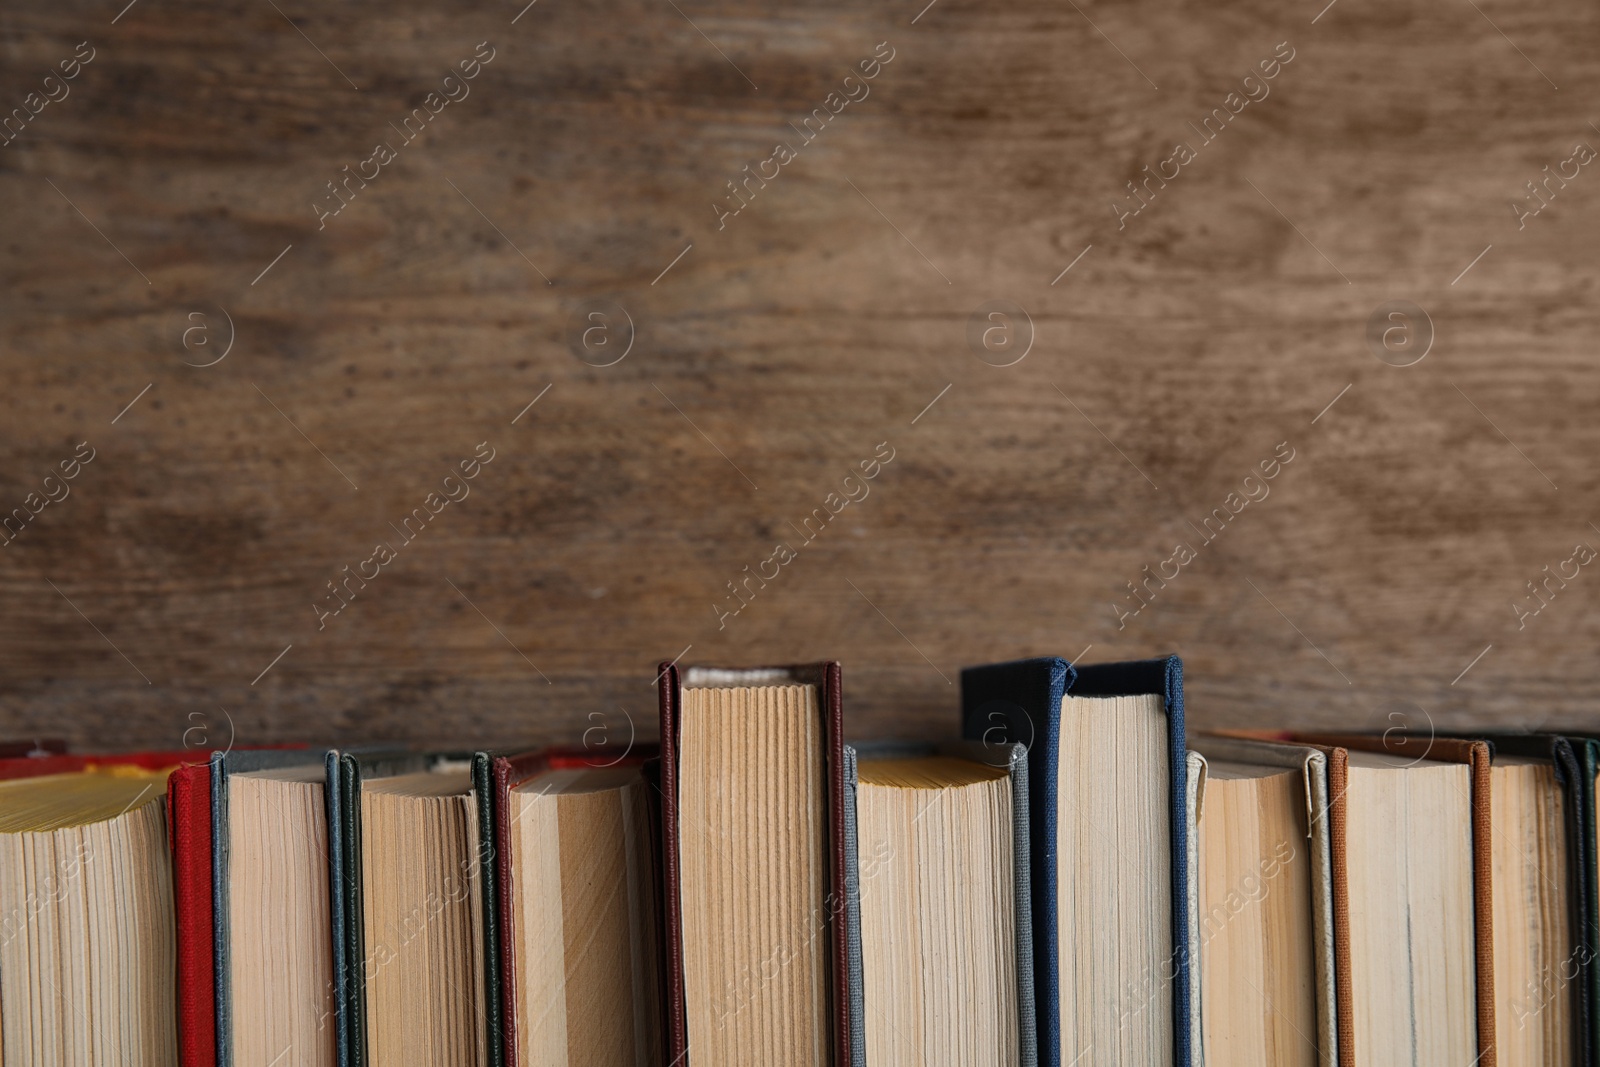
(752, 811)
(1413, 898)
(1265, 906)
(938, 905)
(1108, 785)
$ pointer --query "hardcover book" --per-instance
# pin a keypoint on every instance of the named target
(1195, 795)
(270, 908)
(189, 837)
(572, 908)
(1544, 841)
(407, 912)
(938, 905)
(754, 863)
(1265, 921)
(87, 915)
(1108, 785)
(1412, 885)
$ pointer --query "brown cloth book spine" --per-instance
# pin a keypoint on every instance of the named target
(1476, 755)
(825, 676)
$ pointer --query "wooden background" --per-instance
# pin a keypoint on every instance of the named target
(148, 606)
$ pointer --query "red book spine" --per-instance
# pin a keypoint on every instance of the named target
(189, 812)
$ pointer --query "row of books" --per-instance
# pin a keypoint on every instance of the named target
(1058, 875)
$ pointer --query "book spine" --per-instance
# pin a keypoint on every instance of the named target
(189, 814)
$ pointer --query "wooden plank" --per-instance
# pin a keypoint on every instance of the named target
(374, 350)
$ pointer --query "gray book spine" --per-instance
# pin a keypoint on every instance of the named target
(1015, 759)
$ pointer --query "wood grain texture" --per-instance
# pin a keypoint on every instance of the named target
(816, 324)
